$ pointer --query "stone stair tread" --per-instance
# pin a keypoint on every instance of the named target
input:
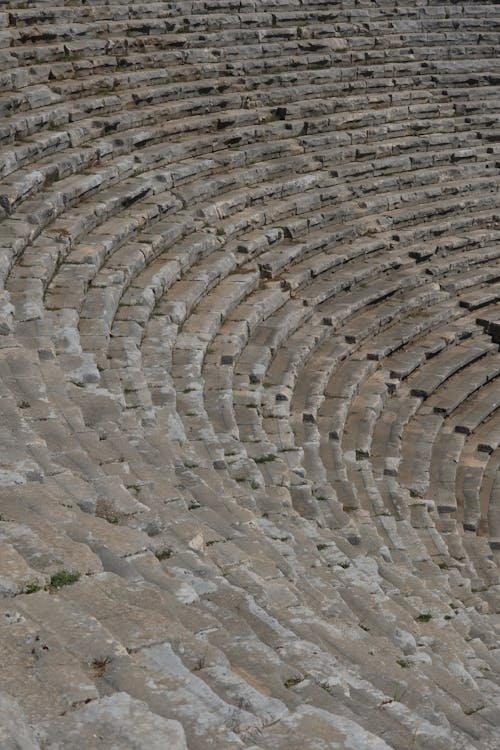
(117, 716)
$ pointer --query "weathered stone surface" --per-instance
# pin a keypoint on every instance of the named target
(249, 429)
(114, 719)
(15, 732)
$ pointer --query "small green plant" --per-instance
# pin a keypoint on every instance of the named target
(345, 565)
(32, 587)
(321, 546)
(163, 554)
(404, 663)
(254, 485)
(190, 466)
(265, 459)
(63, 578)
(292, 681)
(423, 617)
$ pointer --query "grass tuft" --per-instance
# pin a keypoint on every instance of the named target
(423, 617)
(32, 588)
(63, 578)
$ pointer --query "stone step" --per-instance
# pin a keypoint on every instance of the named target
(463, 385)
(438, 370)
(118, 715)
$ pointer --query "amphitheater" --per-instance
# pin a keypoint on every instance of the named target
(249, 375)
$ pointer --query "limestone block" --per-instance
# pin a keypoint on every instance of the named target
(103, 722)
(15, 732)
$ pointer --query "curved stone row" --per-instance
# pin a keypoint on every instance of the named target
(249, 375)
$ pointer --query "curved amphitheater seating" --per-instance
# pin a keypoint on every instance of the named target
(249, 372)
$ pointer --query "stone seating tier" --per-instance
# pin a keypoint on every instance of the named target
(249, 423)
